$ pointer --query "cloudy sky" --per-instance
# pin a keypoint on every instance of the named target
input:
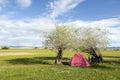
(22, 22)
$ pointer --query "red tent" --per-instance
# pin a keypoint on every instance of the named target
(79, 60)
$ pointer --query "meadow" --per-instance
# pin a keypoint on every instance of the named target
(38, 64)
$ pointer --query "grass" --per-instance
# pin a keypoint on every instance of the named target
(40, 66)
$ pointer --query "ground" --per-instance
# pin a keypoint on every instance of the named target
(38, 64)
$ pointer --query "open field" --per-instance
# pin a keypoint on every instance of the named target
(36, 64)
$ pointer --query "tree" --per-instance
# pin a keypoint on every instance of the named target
(63, 37)
(91, 40)
(59, 39)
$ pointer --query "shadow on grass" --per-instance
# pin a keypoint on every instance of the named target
(115, 61)
(34, 60)
(103, 66)
(93, 66)
(112, 57)
(100, 67)
(65, 63)
(112, 62)
(50, 61)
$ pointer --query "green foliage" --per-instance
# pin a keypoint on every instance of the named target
(39, 66)
(94, 37)
(60, 37)
(5, 47)
(82, 38)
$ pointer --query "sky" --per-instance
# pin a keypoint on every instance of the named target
(22, 22)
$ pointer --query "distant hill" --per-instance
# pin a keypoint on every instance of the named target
(16, 46)
(22, 47)
(31, 47)
(113, 48)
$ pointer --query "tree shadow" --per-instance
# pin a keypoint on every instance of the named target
(112, 62)
(93, 66)
(112, 56)
(103, 66)
(100, 67)
(115, 61)
(34, 60)
(45, 58)
(65, 61)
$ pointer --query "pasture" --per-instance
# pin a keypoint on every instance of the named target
(38, 64)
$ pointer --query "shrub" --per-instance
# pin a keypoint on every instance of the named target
(5, 47)
(36, 47)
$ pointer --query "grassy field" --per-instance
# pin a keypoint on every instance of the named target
(31, 64)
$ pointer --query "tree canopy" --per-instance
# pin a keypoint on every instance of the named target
(61, 36)
(93, 37)
(76, 38)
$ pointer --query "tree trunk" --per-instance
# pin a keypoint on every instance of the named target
(59, 56)
(96, 57)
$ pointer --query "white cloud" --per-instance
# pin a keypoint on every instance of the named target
(28, 32)
(59, 7)
(104, 23)
(114, 34)
(3, 4)
(24, 32)
(24, 3)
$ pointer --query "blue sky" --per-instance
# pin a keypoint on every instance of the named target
(23, 21)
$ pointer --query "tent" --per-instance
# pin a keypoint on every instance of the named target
(79, 60)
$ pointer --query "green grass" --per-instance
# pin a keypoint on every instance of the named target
(40, 66)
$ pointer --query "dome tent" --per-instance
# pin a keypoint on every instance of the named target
(79, 60)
